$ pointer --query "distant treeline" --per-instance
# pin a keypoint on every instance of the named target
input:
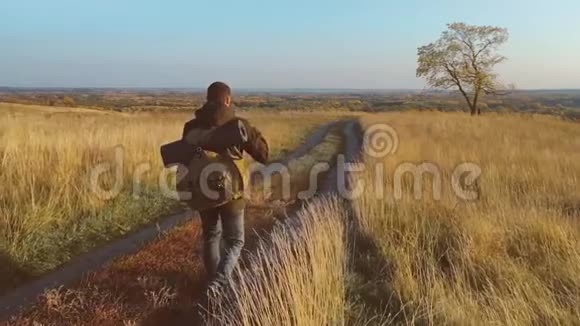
(564, 103)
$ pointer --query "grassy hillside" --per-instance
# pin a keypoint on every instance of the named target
(509, 256)
(503, 248)
(162, 282)
(50, 213)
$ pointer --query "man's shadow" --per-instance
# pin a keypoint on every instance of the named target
(12, 274)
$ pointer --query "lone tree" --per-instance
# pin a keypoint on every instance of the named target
(68, 101)
(463, 58)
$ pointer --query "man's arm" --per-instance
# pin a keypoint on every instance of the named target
(256, 146)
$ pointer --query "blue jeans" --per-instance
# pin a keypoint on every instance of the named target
(226, 220)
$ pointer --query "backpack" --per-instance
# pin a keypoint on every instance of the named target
(206, 179)
(209, 180)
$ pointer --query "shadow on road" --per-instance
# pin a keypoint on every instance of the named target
(11, 273)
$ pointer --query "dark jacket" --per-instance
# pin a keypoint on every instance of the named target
(211, 116)
(222, 120)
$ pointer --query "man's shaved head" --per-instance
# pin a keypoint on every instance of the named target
(218, 93)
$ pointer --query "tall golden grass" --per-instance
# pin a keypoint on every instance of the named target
(48, 211)
(510, 257)
(296, 275)
(115, 293)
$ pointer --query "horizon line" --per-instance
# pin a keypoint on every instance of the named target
(255, 89)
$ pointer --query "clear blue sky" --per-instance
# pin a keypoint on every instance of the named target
(270, 44)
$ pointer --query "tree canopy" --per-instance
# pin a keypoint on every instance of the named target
(464, 58)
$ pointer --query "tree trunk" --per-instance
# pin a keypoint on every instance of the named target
(476, 108)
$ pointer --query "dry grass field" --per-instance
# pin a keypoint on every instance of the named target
(49, 212)
(295, 277)
(511, 256)
(162, 283)
(401, 252)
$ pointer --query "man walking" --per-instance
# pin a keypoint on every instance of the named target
(225, 221)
